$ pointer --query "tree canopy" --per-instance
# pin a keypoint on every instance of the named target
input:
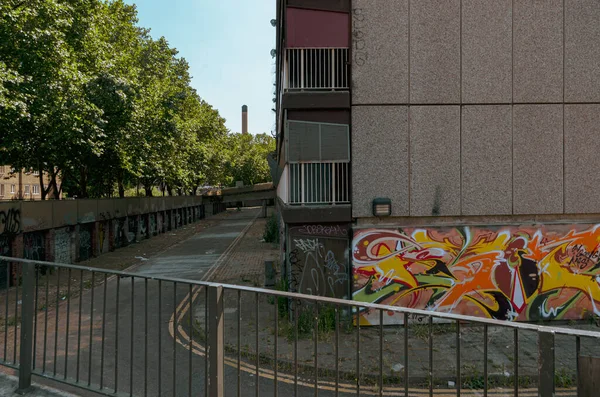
(91, 99)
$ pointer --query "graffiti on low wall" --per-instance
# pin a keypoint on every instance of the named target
(142, 226)
(153, 226)
(85, 241)
(62, 246)
(525, 273)
(5, 250)
(132, 225)
(103, 239)
(33, 246)
(10, 222)
(119, 232)
(318, 263)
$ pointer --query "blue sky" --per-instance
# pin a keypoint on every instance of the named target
(227, 44)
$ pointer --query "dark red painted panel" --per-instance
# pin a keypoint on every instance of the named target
(311, 28)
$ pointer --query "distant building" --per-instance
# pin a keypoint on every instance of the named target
(21, 185)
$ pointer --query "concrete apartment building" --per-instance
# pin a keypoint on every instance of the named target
(22, 185)
(442, 155)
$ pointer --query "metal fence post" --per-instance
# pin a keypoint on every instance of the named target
(25, 352)
(215, 341)
(546, 364)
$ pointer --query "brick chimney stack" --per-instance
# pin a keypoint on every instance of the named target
(244, 119)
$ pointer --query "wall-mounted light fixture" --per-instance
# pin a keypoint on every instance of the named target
(382, 207)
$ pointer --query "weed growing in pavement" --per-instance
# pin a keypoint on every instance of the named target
(271, 234)
(421, 331)
(563, 379)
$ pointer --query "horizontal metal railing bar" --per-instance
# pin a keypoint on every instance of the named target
(317, 48)
(323, 299)
(79, 385)
(321, 162)
(9, 365)
(322, 88)
(309, 203)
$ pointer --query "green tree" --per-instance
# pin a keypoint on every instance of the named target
(247, 158)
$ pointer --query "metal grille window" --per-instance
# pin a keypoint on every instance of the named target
(319, 183)
(317, 69)
(317, 142)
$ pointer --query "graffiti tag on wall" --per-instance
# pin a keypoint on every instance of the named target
(85, 242)
(506, 273)
(103, 245)
(10, 222)
(142, 226)
(119, 232)
(132, 229)
(318, 266)
(153, 228)
(33, 246)
(62, 246)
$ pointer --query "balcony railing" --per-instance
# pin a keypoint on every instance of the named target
(319, 183)
(316, 69)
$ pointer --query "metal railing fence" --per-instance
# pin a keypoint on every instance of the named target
(316, 69)
(319, 183)
(118, 333)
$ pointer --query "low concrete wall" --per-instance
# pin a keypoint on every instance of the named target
(69, 231)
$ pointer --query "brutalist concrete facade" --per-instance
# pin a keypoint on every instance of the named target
(475, 108)
(480, 121)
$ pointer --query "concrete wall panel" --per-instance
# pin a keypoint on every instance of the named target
(538, 50)
(434, 51)
(487, 51)
(582, 162)
(106, 209)
(538, 159)
(168, 203)
(87, 211)
(133, 206)
(144, 205)
(178, 202)
(64, 213)
(434, 160)
(36, 215)
(380, 51)
(379, 158)
(120, 208)
(582, 50)
(486, 160)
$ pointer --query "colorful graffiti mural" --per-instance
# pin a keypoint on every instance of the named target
(525, 273)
